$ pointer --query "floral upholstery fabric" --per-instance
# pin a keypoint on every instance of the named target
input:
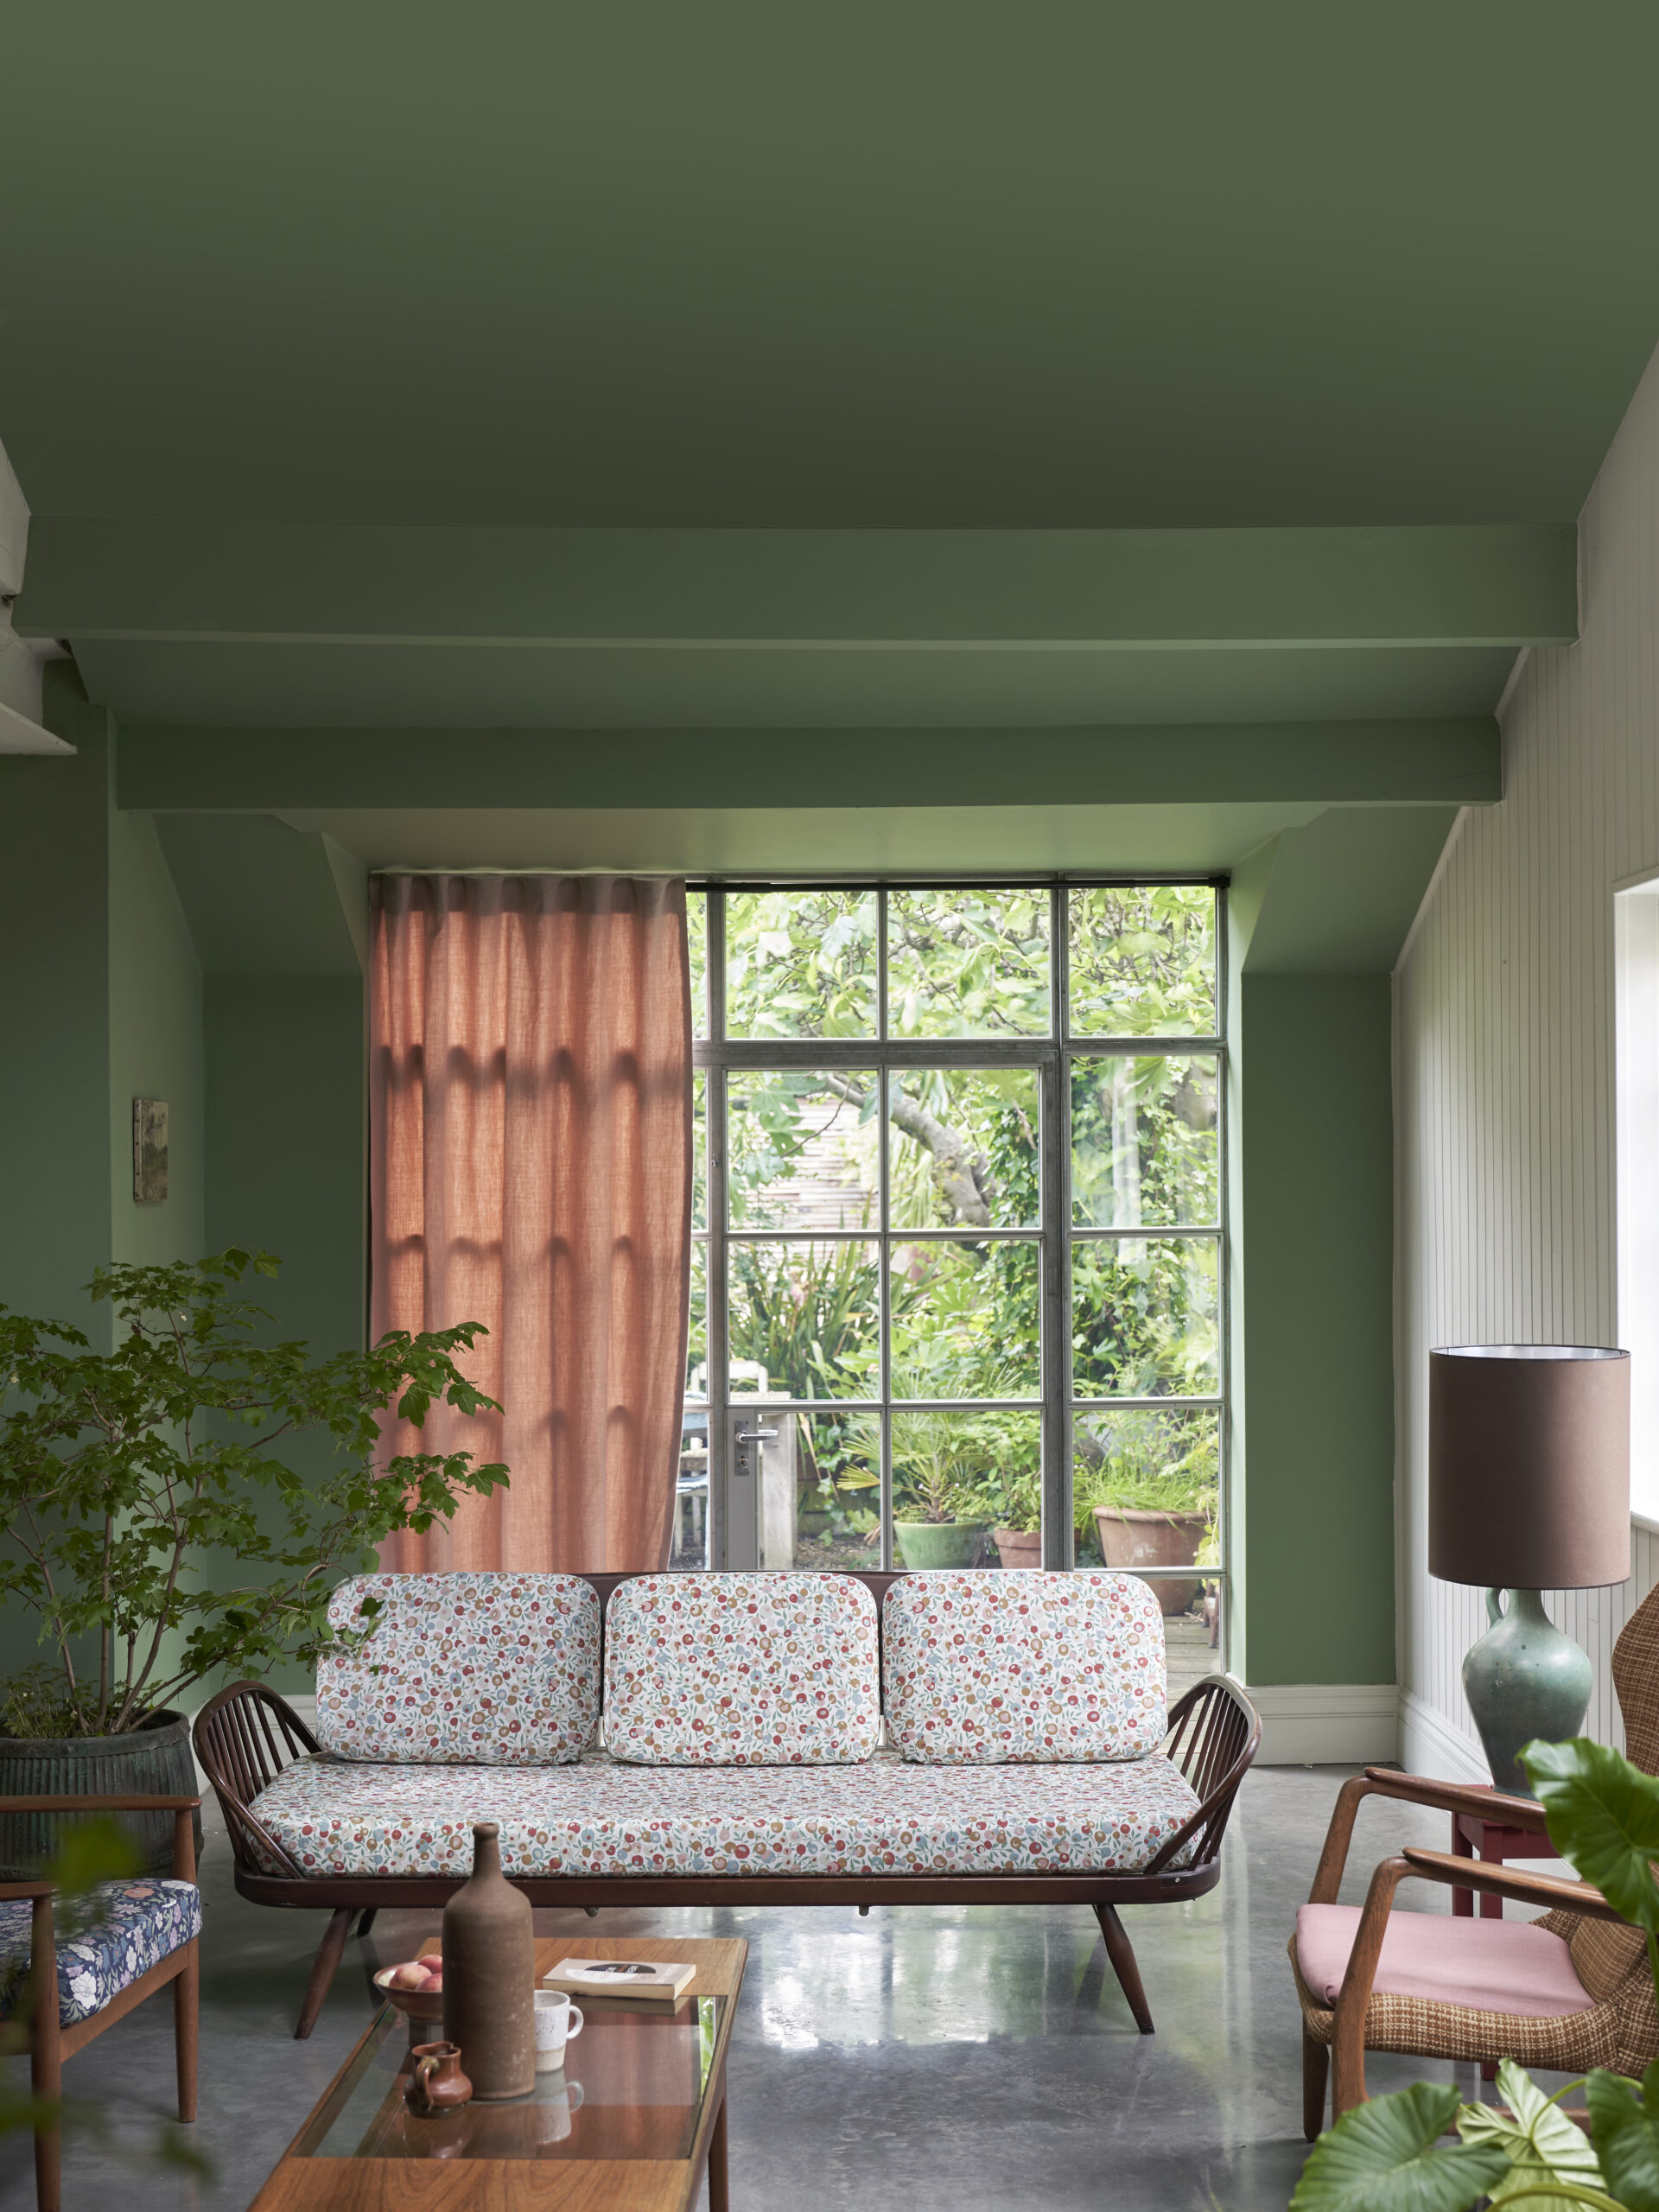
(463, 1668)
(135, 1926)
(741, 1670)
(986, 1668)
(603, 1817)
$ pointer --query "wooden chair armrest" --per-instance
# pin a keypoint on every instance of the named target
(1411, 1790)
(1495, 1805)
(9, 1890)
(70, 1804)
(1496, 1881)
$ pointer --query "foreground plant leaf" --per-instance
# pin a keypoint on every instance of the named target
(1382, 2158)
(1537, 2136)
(1625, 2123)
(1603, 1816)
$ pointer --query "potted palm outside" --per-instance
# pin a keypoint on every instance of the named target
(163, 1532)
(1149, 1509)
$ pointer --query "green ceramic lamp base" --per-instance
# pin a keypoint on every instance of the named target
(1524, 1678)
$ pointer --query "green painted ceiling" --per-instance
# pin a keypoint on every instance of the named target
(953, 263)
(563, 371)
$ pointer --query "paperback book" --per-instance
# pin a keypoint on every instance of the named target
(661, 1979)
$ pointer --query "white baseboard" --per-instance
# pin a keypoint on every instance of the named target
(1327, 1724)
(1430, 1745)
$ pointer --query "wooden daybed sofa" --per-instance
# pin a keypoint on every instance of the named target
(1031, 1757)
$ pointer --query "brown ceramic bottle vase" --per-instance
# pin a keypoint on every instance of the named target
(489, 1975)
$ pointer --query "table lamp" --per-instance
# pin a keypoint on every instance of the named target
(1529, 1490)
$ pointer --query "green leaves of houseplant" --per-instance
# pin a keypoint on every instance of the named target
(1383, 2157)
(159, 1521)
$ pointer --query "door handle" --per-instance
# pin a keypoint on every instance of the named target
(754, 1435)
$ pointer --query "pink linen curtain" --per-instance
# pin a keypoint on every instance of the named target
(530, 1168)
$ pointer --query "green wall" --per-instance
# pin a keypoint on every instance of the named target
(1314, 1210)
(286, 1075)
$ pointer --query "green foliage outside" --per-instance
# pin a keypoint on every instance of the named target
(964, 1156)
(139, 1486)
(1387, 2156)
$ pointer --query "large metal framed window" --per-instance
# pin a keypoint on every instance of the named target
(959, 1277)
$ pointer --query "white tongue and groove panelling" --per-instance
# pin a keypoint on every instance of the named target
(1504, 1095)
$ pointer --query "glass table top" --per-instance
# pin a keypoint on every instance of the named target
(632, 2086)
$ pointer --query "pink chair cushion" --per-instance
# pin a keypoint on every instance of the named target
(1490, 1966)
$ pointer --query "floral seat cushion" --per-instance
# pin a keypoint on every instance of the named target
(741, 1670)
(134, 1926)
(463, 1668)
(986, 1668)
(606, 1817)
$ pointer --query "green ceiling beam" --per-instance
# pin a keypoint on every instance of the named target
(218, 771)
(900, 590)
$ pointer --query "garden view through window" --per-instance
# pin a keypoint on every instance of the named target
(958, 1233)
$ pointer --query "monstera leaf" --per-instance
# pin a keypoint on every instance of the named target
(1541, 2144)
(1382, 2158)
(1626, 2124)
(1604, 1817)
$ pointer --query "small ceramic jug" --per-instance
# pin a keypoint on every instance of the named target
(489, 1974)
(436, 2083)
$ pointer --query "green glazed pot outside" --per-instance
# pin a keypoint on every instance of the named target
(937, 1543)
(153, 1761)
(1524, 1678)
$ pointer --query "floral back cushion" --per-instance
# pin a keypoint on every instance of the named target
(986, 1667)
(741, 1670)
(463, 1669)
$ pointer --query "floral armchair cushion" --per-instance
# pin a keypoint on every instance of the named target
(741, 1670)
(987, 1669)
(463, 1669)
(118, 1935)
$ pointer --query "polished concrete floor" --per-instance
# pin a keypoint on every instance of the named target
(949, 2058)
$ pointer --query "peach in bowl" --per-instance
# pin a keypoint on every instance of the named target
(415, 1987)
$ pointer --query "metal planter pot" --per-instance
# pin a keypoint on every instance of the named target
(154, 1761)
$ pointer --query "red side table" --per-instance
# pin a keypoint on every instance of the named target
(1474, 1838)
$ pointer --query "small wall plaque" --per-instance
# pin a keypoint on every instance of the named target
(149, 1151)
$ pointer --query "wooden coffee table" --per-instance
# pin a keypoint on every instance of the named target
(629, 2123)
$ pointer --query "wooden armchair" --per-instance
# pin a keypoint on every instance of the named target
(78, 1985)
(1568, 1991)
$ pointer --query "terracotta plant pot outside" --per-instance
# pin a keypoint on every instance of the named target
(937, 1543)
(1020, 1547)
(1131, 1537)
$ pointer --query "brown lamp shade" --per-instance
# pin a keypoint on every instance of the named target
(1530, 1465)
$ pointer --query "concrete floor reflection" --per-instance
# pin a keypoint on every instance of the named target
(913, 2059)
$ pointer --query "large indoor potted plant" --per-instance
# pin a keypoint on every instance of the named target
(163, 1530)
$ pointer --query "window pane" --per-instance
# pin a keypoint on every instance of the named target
(1144, 1490)
(1143, 961)
(964, 1148)
(803, 1151)
(838, 1520)
(1145, 1150)
(699, 1149)
(967, 963)
(1143, 1318)
(800, 963)
(804, 1320)
(696, 936)
(957, 1478)
(697, 1342)
(688, 1551)
(965, 1320)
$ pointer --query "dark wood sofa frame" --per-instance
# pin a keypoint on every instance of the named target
(247, 1734)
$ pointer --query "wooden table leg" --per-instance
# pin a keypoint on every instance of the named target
(717, 2201)
(1463, 1901)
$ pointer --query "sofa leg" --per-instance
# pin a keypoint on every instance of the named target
(323, 1967)
(1316, 2069)
(1120, 1952)
(365, 1921)
(864, 1912)
(592, 1911)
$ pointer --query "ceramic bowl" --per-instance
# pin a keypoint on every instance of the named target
(423, 2005)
